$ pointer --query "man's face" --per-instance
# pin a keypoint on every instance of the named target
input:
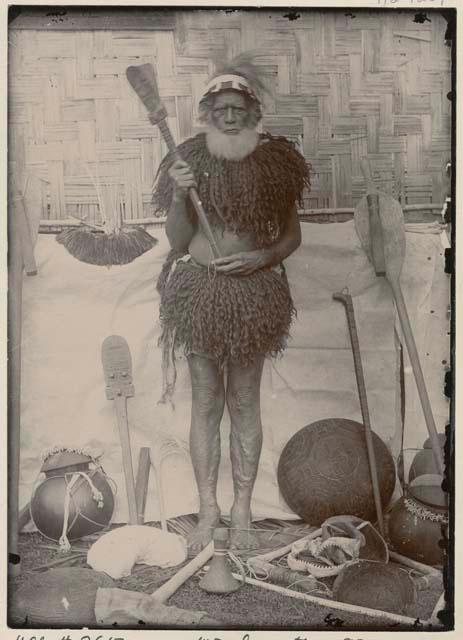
(230, 113)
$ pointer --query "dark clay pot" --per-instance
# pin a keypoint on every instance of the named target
(86, 514)
(418, 523)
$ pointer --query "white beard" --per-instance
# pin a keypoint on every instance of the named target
(231, 147)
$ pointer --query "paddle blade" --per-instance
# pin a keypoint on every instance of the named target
(392, 232)
(142, 79)
(117, 367)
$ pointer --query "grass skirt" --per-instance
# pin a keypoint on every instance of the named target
(227, 318)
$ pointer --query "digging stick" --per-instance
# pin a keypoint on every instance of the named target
(346, 300)
(141, 484)
(392, 239)
(156, 464)
(142, 79)
(170, 587)
(117, 366)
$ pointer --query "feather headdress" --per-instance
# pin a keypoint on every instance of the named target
(242, 74)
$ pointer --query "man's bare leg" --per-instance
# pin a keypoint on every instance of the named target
(243, 402)
(208, 401)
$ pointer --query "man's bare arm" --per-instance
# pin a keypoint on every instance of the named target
(288, 242)
(179, 227)
(247, 262)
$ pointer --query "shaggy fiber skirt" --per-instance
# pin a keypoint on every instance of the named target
(223, 317)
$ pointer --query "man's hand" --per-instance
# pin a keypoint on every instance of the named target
(242, 263)
(182, 177)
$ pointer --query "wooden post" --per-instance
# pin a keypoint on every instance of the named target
(20, 254)
(141, 483)
(15, 275)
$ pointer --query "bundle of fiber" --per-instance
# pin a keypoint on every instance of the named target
(106, 249)
(58, 598)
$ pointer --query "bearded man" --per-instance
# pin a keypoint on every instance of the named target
(228, 313)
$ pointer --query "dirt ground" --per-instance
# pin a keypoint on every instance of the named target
(251, 607)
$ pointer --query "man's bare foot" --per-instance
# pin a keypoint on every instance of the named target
(242, 537)
(202, 534)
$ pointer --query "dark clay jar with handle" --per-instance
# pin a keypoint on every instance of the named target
(418, 521)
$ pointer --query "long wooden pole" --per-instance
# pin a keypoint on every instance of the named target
(346, 299)
(15, 284)
(418, 373)
(332, 604)
(193, 194)
(141, 483)
(386, 242)
(142, 79)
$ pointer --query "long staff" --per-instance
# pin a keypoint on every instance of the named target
(346, 299)
(387, 239)
(142, 79)
(20, 258)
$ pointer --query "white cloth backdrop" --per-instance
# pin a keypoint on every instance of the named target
(69, 308)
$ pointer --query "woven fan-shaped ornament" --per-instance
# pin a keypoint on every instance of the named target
(111, 242)
(58, 598)
(106, 249)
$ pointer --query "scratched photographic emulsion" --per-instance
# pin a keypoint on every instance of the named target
(230, 327)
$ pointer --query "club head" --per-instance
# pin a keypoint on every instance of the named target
(142, 79)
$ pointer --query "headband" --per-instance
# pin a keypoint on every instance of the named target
(229, 81)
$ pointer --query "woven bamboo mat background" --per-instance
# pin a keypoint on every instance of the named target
(344, 87)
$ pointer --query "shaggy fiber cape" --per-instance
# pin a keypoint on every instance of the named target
(231, 318)
(253, 195)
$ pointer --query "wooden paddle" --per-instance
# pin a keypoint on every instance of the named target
(117, 367)
(346, 299)
(142, 79)
(384, 243)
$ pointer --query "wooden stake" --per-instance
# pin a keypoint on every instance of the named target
(141, 485)
(157, 467)
(346, 300)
